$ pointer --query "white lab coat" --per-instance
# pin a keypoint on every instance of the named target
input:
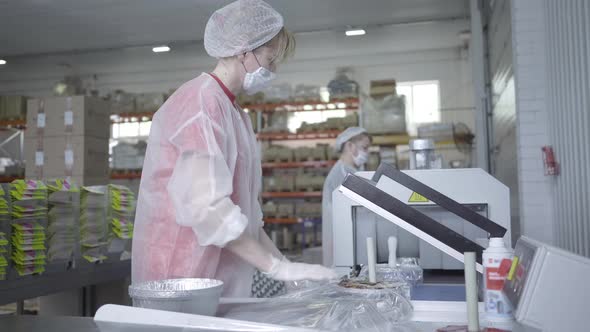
(199, 190)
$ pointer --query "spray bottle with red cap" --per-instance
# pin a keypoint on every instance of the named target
(497, 260)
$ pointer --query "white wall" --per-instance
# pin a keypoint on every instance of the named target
(504, 146)
(567, 36)
(530, 72)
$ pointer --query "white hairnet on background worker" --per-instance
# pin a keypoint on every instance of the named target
(353, 144)
(198, 213)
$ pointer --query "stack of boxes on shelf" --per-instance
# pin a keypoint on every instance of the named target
(340, 124)
(4, 230)
(121, 216)
(309, 210)
(300, 171)
(106, 222)
(309, 182)
(384, 112)
(29, 222)
(42, 230)
(278, 210)
(93, 228)
(62, 228)
(68, 137)
(3, 255)
(130, 103)
(12, 108)
(279, 153)
(304, 153)
(282, 182)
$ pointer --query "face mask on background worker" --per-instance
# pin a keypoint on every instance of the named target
(361, 156)
(258, 80)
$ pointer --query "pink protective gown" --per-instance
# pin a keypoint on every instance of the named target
(199, 188)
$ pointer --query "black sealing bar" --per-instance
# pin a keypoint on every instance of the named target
(441, 200)
(412, 216)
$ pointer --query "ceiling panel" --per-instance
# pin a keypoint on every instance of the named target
(44, 26)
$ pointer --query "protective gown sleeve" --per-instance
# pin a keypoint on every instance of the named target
(201, 183)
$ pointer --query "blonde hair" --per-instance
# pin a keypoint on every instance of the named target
(285, 44)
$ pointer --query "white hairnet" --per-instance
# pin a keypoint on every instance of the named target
(240, 27)
(346, 135)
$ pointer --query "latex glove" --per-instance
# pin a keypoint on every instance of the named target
(285, 270)
(252, 251)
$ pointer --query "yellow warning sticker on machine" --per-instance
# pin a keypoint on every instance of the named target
(417, 198)
(513, 268)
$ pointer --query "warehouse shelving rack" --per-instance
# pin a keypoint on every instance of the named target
(17, 129)
(299, 164)
(264, 110)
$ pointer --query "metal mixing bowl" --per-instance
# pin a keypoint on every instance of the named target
(189, 295)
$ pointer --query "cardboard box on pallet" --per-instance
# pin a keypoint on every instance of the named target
(89, 117)
(89, 155)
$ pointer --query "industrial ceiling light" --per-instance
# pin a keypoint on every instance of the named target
(161, 49)
(2, 62)
(355, 32)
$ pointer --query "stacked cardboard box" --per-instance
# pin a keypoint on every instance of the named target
(68, 137)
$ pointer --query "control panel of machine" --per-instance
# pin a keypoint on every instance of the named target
(524, 253)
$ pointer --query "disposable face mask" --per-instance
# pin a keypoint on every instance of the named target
(258, 80)
(361, 158)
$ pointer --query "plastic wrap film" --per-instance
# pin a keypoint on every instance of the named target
(330, 307)
(406, 269)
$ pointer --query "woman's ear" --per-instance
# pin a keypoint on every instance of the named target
(347, 146)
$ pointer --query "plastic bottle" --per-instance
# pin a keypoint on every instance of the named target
(496, 264)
